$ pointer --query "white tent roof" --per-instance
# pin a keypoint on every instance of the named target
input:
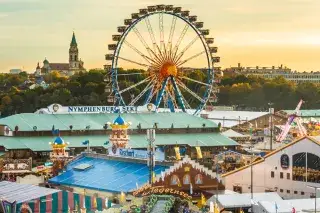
(233, 134)
(244, 200)
(285, 206)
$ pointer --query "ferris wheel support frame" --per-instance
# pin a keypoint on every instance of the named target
(114, 67)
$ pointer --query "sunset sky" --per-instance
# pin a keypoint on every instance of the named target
(253, 32)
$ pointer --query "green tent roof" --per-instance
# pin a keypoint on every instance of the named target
(44, 122)
(136, 141)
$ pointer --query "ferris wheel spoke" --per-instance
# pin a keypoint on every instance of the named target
(160, 93)
(179, 56)
(135, 85)
(149, 86)
(146, 58)
(151, 53)
(172, 29)
(171, 101)
(176, 47)
(182, 85)
(149, 95)
(190, 58)
(156, 48)
(178, 94)
(162, 47)
(199, 82)
(134, 62)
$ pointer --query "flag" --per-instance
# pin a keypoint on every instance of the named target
(199, 153)
(95, 203)
(153, 177)
(85, 142)
(216, 208)
(106, 203)
(177, 150)
(162, 175)
(202, 201)
(211, 207)
(191, 189)
(53, 129)
(84, 200)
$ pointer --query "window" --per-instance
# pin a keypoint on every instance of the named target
(281, 175)
(288, 191)
(281, 190)
(288, 176)
(186, 179)
(175, 180)
(302, 193)
(295, 192)
(198, 179)
(272, 174)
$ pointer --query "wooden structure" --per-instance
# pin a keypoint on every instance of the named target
(189, 177)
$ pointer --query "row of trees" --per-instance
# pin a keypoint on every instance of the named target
(88, 88)
(254, 93)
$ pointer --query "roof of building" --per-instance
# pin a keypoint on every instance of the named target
(45, 61)
(119, 120)
(244, 200)
(285, 206)
(44, 122)
(233, 118)
(312, 139)
(59, 66)
(73, 40)
(186, 160)
(121, 176)
(11, 191)
(58, 140)
(41, 143)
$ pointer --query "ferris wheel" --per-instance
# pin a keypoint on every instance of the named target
(162, 55)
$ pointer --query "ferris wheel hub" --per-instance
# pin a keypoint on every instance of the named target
(168, 69)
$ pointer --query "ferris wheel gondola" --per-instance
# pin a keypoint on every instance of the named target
(165, 79)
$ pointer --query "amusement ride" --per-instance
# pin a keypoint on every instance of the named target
(169, 48)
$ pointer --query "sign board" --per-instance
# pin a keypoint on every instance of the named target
(59, 109)
(148, 190)
(284, 161)
(133, 153)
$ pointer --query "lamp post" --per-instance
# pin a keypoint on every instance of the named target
(271, 111)
(218, 179)
(151, 137)
(315, 197)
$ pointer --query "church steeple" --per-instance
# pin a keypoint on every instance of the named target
(73, 40)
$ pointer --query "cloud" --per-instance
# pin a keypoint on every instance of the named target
(3, 15)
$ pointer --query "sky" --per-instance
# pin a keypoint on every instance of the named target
(252, 32)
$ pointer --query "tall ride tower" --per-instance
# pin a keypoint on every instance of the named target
(119, 136)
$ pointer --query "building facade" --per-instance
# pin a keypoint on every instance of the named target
(287, 171)
(274, 71)
(75, 63)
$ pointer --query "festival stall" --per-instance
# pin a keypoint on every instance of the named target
(35, 199)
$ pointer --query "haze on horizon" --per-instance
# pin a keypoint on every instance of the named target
(252, 32)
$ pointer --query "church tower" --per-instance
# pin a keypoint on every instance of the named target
(74, 54)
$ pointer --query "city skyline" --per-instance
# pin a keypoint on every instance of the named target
(250, 32)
